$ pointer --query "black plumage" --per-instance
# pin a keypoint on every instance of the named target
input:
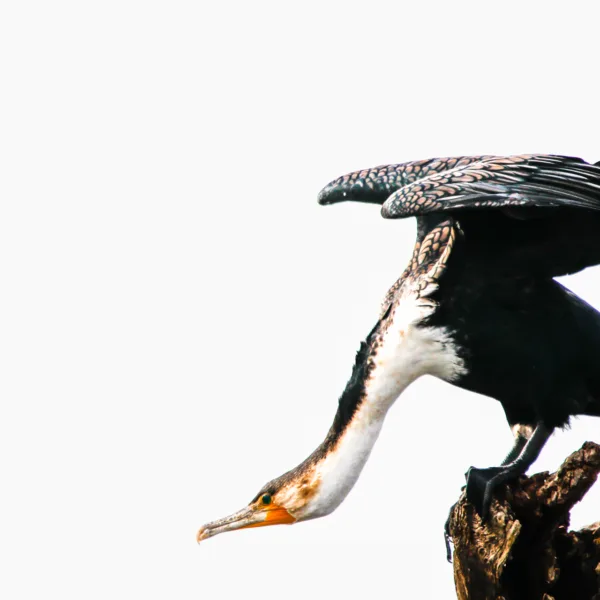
(519, 221)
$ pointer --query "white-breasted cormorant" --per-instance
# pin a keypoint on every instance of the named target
(477, 306)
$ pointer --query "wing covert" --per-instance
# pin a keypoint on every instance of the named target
(375, 185)
(496, 182)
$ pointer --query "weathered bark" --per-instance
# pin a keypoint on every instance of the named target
(525, 551)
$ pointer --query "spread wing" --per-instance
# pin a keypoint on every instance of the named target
(449, 184)
(519, 215)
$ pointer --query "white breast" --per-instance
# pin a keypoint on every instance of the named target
(408, 350)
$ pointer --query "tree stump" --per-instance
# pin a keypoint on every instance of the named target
(524, 551)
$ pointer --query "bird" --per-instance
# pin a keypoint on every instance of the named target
(478, 306)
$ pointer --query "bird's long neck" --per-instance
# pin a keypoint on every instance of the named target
(396, 353)
(346, 451)
(375, 384)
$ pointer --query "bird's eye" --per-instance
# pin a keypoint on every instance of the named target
(266, 499)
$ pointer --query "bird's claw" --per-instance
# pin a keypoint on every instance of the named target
(480, 487)
(479, 491)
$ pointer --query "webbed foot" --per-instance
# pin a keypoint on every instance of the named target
(481, 484)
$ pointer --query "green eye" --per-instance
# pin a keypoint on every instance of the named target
(266, 499)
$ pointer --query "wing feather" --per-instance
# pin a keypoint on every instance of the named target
(471, 182)
(496, 182)
(559, 238)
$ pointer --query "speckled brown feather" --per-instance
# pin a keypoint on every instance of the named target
(389, 178)
(493, 182)
(429, 260)
(471, 182)
(523, 215)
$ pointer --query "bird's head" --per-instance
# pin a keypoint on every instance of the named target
(318, 485)
(285, 500)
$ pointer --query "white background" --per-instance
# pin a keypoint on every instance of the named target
(179, 316)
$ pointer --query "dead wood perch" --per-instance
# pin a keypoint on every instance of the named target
(525, 551)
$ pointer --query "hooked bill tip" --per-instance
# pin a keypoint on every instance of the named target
(202, 534)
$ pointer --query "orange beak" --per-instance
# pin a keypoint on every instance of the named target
(251, 516)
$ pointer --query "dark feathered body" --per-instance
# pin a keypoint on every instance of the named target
(531, 242)
(527, 342)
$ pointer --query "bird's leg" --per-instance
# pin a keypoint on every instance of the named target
(482, 482)
(522, 436)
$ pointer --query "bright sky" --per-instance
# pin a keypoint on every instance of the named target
(180, 316)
